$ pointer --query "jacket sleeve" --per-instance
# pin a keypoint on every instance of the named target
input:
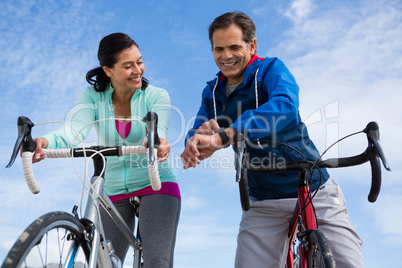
(280, 112)
(82, 114)
(161, 106)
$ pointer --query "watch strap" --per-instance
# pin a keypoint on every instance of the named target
(224, 137)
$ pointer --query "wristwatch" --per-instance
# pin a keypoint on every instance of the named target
(224, 137)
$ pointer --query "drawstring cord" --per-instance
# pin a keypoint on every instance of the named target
(256, 98)
(213, 97)
(256, 88)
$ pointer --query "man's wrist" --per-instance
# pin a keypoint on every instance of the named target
(227, 136)
(224, 137)
(231, 133)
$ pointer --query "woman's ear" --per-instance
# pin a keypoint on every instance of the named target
(107, 71)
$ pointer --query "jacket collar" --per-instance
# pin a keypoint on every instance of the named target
(109, 91)
(251, 68)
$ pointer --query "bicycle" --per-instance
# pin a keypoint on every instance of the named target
(79, 242)
(312, 248)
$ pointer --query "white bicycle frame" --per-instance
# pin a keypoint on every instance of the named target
(99, 252)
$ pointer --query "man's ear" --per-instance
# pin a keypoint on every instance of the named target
(107, 71)
(253, 46)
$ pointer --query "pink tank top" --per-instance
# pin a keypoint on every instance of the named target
(123, 128)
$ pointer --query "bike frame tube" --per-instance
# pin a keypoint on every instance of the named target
(100, 253)
(72, 253)
(123, 227)
(118, 220)
(292, 234)
(304, 207)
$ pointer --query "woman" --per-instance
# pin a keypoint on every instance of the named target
(118, 90)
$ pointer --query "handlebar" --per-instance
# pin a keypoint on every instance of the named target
(373, 154)
(151, 120)
(28, 145)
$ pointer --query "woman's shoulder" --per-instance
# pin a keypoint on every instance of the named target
(155, 92)
(90, 92)
(150, 89)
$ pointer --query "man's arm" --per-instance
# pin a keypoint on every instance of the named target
(204, 143)
(280, 112)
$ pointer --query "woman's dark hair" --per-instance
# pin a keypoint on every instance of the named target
(224, 21)
(109, 48)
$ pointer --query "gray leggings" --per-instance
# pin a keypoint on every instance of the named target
(158, 219)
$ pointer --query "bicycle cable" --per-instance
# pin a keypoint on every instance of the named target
(84, 150)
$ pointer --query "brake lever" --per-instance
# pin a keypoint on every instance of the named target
(24, 138)
(373, 134)
(240, 145)
(151, 120)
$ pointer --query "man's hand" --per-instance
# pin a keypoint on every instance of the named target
(204, 143)
(191, 155)
(208, 128)
(200, 147)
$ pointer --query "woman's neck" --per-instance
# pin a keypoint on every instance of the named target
(122, 96)
(122, 104)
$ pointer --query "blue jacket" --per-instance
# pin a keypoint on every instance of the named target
(265, 108)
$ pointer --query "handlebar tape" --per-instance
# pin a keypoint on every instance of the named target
(154, 173)
(28, 172)
(376, 179)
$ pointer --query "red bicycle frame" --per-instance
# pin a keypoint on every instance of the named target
(304, 209)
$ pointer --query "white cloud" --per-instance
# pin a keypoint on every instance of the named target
(353, 60)
(388, 215)
(299, 10)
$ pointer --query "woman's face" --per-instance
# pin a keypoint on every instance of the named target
(126, 74)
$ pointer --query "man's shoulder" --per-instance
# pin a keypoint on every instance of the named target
(207, 91)
(270, 65)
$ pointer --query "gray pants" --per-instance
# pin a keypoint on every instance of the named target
(263, 242)
(158, 219)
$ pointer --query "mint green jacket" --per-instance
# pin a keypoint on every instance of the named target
(124, 174)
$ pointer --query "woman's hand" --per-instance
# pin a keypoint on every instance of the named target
(39, 155)
(163, 149)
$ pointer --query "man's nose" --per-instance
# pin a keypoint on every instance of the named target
(227, 54)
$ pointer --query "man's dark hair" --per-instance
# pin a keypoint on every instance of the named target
(224, 21)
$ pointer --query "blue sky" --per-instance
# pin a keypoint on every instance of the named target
(345, 55)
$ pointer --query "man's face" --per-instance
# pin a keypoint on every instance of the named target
(231, 53)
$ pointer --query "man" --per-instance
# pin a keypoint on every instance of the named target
(259, 97)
